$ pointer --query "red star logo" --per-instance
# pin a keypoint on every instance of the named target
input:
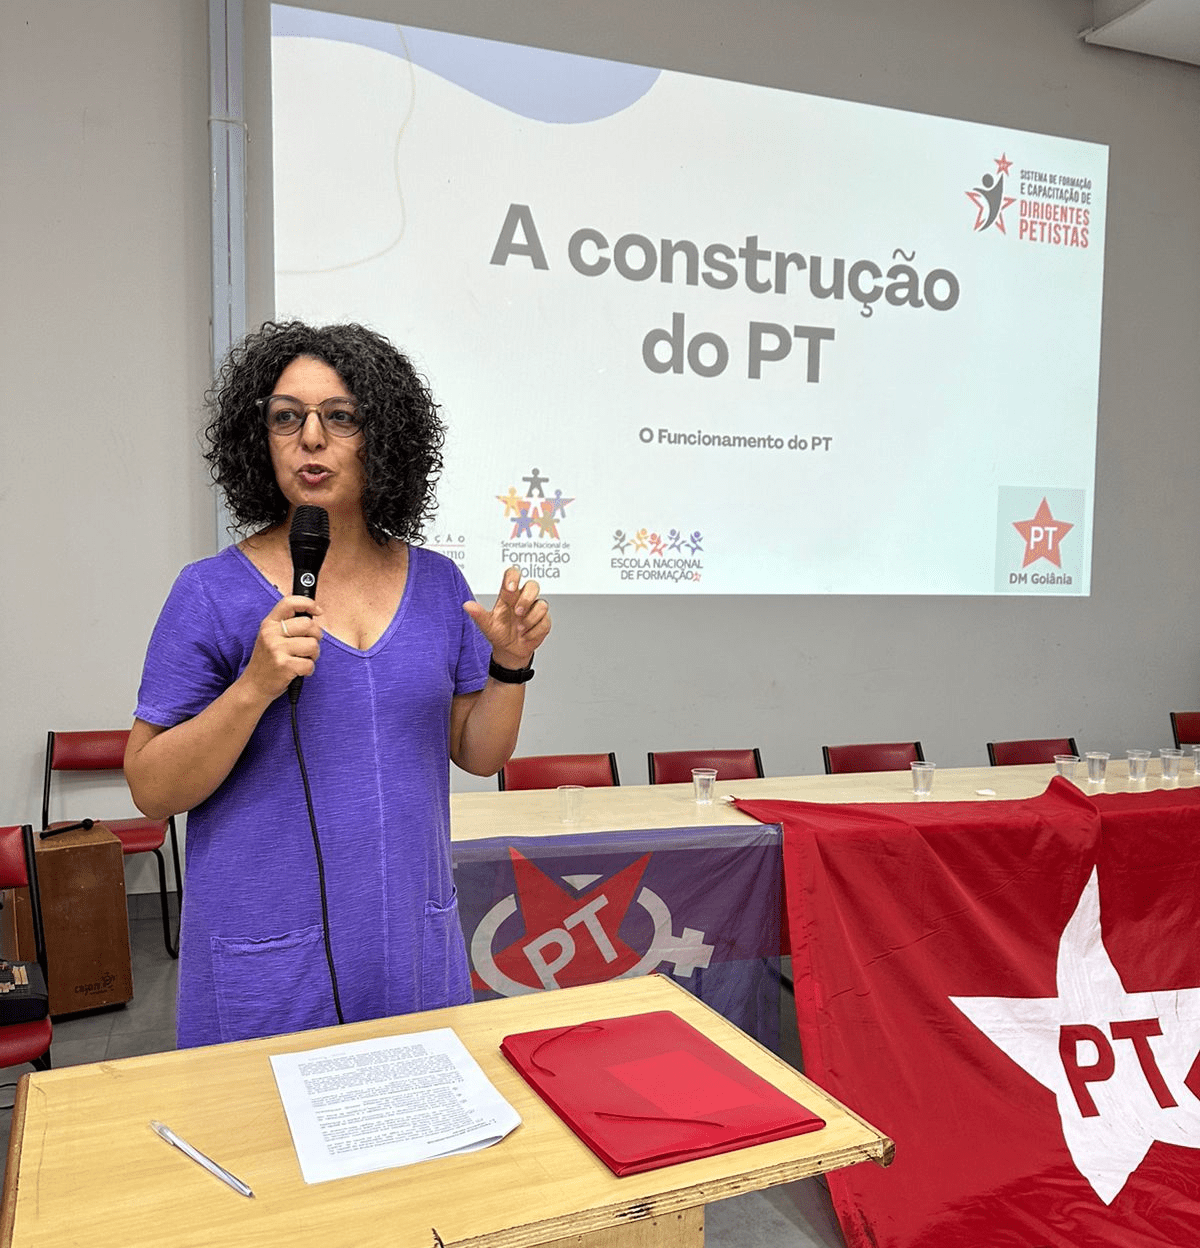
(576, 930)
(1003, 164)
(1042, 536)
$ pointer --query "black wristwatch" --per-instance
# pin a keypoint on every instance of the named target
(510, 675)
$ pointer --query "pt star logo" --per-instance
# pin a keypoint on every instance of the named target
(1042, 536)
(1119, 1063)
(572, 933)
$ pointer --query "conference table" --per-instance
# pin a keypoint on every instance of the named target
(499, 818)
(535, 812)
(739, 927)
(84, 1165)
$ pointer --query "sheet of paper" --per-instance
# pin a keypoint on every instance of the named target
(373, 1104)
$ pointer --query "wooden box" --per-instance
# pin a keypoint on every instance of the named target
(81, 880)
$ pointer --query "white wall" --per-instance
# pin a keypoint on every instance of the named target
(104, 274)
(105, 327)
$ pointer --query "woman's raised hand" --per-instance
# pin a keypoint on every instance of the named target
(518, 622)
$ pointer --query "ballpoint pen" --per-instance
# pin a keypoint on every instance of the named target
(196, 1155)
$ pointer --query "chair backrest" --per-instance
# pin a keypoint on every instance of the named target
(880, 756)
(103, 750)
(548, 771)
(100, 750)
(1039, 750)
(14, 869)
(675, 766)
(18, 870)
(1186, 727)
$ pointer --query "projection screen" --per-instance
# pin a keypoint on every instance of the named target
(694, 336)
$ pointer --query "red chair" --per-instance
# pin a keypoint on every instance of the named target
(1040, 750)
(105, 751)
(1186, 727)
(675, 766)
(24, 1042)
(548, 771)
(883, 756)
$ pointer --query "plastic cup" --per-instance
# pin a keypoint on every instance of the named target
(922, 777)
(1137, 765)
(1066, 764)
(1196, 760)
(1097, 762)
(570, 802)
(1170, 765)
(704, 781)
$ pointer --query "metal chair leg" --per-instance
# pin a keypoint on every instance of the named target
(172, 949)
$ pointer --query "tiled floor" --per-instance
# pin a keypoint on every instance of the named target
(796, 1215)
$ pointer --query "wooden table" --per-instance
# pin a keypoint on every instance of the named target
(84, 1166)
(535, 812)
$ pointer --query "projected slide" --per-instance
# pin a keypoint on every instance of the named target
(699, 337)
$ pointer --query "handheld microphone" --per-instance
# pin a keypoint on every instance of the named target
(308, 540)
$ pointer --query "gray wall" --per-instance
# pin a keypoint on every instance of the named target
(104, 229)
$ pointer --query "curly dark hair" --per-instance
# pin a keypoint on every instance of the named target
(402, 431)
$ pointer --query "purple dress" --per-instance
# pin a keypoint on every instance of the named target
(375, 731)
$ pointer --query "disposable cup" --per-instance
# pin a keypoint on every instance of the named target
(1066, 764)
(1137, 765)
(704, 780)
(922, 778)
(1097, 762)
(1170, 765)
(570, 802)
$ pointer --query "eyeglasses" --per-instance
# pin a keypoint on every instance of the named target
(285, 416)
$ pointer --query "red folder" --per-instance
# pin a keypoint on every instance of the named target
(650, 1090)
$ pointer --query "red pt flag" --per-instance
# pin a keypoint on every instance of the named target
(1010, 990)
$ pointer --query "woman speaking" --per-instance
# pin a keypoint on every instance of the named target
(292, 921)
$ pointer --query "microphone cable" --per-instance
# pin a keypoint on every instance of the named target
(293, 698)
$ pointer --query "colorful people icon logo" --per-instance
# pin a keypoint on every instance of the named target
(533, 521)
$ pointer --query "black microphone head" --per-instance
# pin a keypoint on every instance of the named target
(308, 541)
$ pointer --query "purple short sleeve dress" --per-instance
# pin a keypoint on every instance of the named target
(375, 730)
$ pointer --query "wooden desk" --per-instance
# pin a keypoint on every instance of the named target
(535, 812)
(84, 1166)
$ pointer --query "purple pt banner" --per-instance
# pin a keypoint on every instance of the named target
(700, 904)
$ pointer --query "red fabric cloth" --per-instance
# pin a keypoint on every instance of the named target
(897, 909)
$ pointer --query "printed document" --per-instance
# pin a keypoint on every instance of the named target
(373, 1104)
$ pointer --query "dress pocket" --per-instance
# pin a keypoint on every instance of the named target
(445, 978)
(272, 986)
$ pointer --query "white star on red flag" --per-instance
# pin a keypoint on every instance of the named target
(1117, 1062)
